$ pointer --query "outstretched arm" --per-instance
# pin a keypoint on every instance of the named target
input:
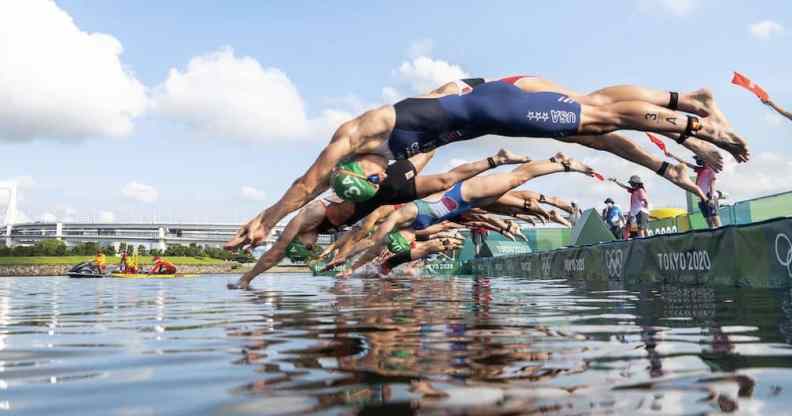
(622, 185)
(427, 232)
(352, 137)
(379, 239)
(780, 110)
(350, 246)
(274, 255)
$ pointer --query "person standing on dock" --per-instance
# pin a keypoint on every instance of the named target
(613, 216)
(639, 204)
(479, 236)
(705, 179)
(575, 215)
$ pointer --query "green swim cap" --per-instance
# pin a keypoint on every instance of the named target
(297, 251)
(352, 187)
(397, 243)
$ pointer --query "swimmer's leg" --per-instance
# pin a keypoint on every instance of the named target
(698, 102)
(623, 147)
(637, 115)
(483, 189)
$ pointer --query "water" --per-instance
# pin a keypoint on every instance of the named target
(301, 344)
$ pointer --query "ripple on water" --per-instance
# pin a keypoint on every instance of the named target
(300, 344)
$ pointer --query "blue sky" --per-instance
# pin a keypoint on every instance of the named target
(213, 109)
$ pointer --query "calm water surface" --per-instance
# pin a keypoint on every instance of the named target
(300, 344)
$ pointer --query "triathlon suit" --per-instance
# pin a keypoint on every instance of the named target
(398, 187)
(497, 107)
(451, 205)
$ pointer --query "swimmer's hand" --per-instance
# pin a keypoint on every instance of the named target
(241, 285)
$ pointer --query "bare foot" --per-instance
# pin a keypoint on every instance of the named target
(575, 165)
(506, 157)
(558, 219)
(724, 138)
(706, 151)
(526, 218)
(532, 206)
(678, 175)
(706, 107)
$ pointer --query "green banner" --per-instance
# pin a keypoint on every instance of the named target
(753, 255)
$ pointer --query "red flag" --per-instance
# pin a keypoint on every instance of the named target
(657, 141)
(745, 82)
(598, 176)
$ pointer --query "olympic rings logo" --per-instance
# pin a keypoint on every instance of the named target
(786, 260)
(547, 263)
(614, 262)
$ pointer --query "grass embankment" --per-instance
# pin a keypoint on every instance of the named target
(72, 260)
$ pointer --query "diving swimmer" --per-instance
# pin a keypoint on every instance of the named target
(507, 107)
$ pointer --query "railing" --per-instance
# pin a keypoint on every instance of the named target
(742, 212)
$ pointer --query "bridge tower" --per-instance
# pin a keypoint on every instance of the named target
(11, 210)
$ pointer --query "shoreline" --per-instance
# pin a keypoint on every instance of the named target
(50, 270)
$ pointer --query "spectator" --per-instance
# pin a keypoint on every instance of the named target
(639, 205)
(613, 216)
(705, 179)
(576, 213)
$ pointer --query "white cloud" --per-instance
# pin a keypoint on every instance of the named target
(765, 29)
(220, 94)
(678, 8)
(253, 194)
(140, 192)
(767, 173)
(106, 216)
(424, 74)
(58, 81)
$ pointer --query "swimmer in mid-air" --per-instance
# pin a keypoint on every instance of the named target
(369, 177)
(518, 106)
(461, 198)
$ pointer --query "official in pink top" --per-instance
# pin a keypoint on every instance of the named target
(705, 179)
(639, 203)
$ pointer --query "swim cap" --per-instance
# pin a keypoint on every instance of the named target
(297, 251)
(636, 180)
(349, 182)
(397, 243)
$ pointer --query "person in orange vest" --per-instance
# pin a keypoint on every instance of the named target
(162, 266)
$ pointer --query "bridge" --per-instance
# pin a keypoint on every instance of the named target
(154, 235)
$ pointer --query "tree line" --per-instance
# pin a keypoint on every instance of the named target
(59, 248)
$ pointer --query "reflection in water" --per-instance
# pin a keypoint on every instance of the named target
(302, 344)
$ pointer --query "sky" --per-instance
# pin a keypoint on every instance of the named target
(206, 111)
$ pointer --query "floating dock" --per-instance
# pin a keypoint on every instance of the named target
(750, 255)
